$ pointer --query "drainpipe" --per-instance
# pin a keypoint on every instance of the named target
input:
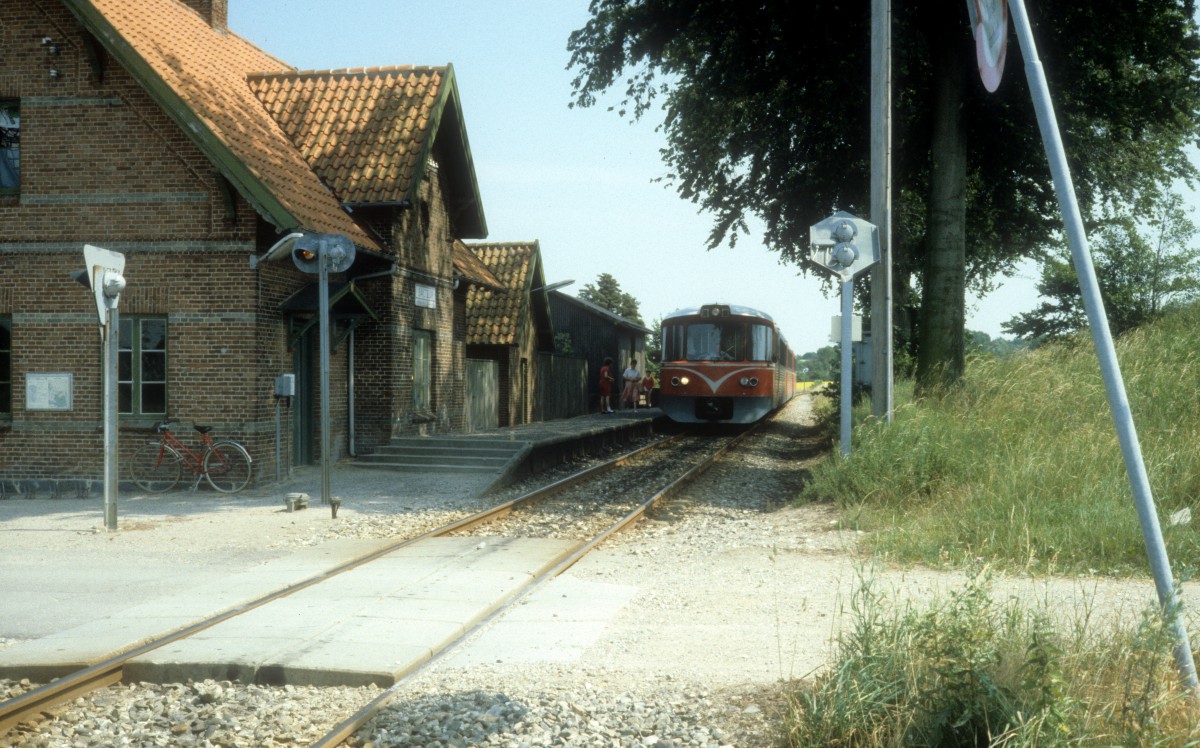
(350, 389)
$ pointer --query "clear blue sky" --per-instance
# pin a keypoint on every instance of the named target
(579, 181)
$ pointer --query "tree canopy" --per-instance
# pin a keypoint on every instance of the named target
(765, 107)
(1143, 269)
(606, 293)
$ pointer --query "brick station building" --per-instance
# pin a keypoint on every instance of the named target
(149, 128)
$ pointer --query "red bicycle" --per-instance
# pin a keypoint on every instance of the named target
(158, 465)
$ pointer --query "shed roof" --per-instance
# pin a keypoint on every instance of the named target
(470, 267)
(494, 316)
(601, 312)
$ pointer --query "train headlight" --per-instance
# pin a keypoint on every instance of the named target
(749, 381)
(676, 381)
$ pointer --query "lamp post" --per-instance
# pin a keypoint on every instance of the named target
(323, 254)
(103, 276)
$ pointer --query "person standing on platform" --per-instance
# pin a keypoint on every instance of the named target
(648, 387)
(606, 383)
(632, 380)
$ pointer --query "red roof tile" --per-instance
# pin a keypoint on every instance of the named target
(364, 131)
(494, 317)
(199, 75)
(472, 268)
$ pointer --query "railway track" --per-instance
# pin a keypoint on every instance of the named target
(603, 500)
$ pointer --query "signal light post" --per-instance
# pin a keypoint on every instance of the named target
(834, 248)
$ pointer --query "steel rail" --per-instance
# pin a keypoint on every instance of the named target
(75, 685)
(343, 730)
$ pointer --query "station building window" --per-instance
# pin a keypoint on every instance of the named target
(142, 366)
(10, 147)
(422, 370)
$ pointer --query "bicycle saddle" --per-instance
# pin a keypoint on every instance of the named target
(203, 429)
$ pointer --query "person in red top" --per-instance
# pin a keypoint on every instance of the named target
(647, 387)
(606, 380)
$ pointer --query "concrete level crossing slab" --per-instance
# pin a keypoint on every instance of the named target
(370, 624)
(558, 622)
(122, 627)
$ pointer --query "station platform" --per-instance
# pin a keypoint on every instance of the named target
(512, 453)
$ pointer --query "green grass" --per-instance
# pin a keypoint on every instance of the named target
(1020, 467)
(968, 672)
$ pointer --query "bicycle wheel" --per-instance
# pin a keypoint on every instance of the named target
(155, 467)
(227, 467)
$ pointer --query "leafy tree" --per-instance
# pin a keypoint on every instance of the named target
(563, 345)
(607, 293)
(654, 345)
(1142, 271)
(982, 344)
(765, 111)
(819, 365)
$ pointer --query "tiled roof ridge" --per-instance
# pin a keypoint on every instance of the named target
(503, 245)
(383, 69)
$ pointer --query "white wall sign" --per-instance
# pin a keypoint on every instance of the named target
(49, 391)
(426, 296)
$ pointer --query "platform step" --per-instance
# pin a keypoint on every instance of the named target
(441, 454)
(426, 467)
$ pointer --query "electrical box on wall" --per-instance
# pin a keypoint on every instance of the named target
(285, 385)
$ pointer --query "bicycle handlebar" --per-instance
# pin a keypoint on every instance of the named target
(165, 426)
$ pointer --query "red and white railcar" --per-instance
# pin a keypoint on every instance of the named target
(723, 363)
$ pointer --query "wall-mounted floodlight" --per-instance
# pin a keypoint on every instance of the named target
(337, 250)
(280, 248)
(551, 286)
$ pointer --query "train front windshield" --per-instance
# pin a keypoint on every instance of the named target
(723, 341)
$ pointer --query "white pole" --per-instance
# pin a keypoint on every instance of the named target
(1102, 340)
(882, 378)
(111, 342)
(847, 361)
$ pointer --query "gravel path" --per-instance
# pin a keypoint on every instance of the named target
(729, 593)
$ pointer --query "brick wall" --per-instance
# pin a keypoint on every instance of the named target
(102, 164)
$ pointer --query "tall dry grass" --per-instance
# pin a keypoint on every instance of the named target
(1020, 466)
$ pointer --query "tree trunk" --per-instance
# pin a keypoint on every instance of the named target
(940, 344)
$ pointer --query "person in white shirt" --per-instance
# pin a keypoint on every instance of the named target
(633, 381)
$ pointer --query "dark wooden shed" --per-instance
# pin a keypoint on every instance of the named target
(595, 333)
